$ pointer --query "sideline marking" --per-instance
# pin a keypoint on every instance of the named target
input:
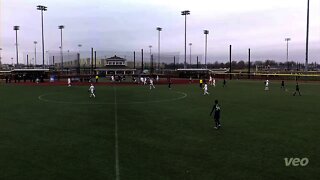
(42, 98)
(116, 135)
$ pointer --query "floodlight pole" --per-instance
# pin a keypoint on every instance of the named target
(91, 71)
(134, 60)
(35, 52)
(206, 32)
(307, 37)
(0, 59)
(190, 44)
(61, 47)
(150, 47)
(249, 63)
(159, 29)
(230, 51)
(151, 58)
(287, 40)
(16, 28)
(185, 13)
(42, 8)
(142, 61)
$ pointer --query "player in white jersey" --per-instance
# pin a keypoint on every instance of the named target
(210, 80)
(157, 78)
(214, 82)
(151, 84)
(145, 81)
(267, 85)
(69, 82)
(112, 78)
(92, 90)
(205, 89)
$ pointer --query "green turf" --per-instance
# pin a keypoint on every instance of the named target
(162, 134)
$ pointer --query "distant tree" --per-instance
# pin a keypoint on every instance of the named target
(216, 64)
(270, 63)
(234, 64)
(241, 65)
(258, 63)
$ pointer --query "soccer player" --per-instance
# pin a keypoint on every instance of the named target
(144, 80)
(214, 82)
(267, 85)
(210, 80)
(201, 81)
(97, 78)
(69, 82)
(282, 85)
(169, 83)
(151, 84)
(92, 90)
(133, 79)
(157, 78)
(297, 90)
(205, 89)
(224, 83)
(216, 109)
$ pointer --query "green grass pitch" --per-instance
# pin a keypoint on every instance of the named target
(130, 132)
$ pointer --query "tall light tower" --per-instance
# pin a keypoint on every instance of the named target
(42, 8)
(159, 29)
(61, 50)
(190, 44)
(307, 37)
(287, 40)
(16, 28)
(206, 32)
(0, 58)
(150, 47)
(185, 13)
(78, 59)
(35, 52)
(151, 59)
(79, 46)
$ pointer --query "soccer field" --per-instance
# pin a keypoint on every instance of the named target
(130, 132)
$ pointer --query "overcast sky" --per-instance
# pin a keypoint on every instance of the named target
(128, 25)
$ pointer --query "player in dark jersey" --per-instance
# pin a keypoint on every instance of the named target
(224, 83)
(169, 82)
(282, 85)
(216, 110)
(297, 90)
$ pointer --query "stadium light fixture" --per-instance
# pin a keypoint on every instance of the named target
(159, 29)
(307, 37)
(61, 27)
(206, 32)
(185, 13)
(16, 28)
(287, 40)
(0, 58)
(42, 8)
(79, 45)
(150, 47)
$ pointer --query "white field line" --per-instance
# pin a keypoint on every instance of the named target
(116, 135)
(44, 99)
